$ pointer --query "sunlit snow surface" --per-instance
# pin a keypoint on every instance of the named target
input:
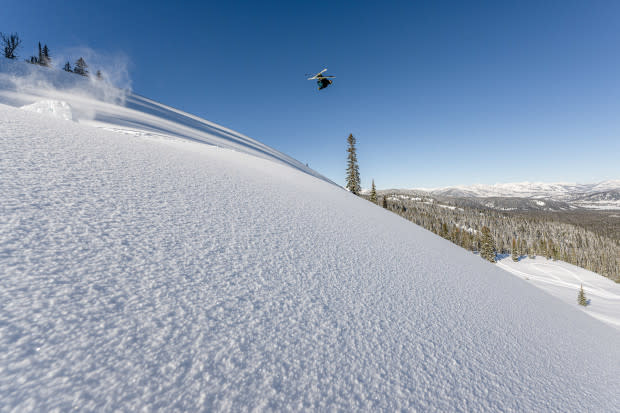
(94, 102)
(564, 280)
(150, 272)
(54, 108)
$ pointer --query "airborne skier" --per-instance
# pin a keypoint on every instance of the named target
(322, 81)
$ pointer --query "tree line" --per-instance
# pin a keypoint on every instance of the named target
(490, 233)
(11, 42)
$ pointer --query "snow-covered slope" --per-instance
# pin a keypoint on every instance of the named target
(563, 280)
(97, 103)
(154, 272)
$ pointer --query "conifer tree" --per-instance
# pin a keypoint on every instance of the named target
(353, 174)
(384, 205)
(80, 67)
(67, 67)
(523, 247)
(45, 56)
(514, 253)
(443, 230)
(373, 193)
(455, 235)
(581, 297)
(100, 76)
(10, 43)
(487, 245)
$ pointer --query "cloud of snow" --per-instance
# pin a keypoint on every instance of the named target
(24, 84)
(114, 67)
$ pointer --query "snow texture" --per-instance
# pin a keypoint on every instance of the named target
(94, 102)
(146, 270)
(54, 108)
(563, 280)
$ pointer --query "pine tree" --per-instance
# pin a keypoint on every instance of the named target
(523, 247)
(514, 253)
(443, 230)
(487, 245)
(581, 297)
(353, 174)
(549, 250)
(45, 56)
(100, 77)
(373, 193)
(67, 67)
(80, 67)
(384, 204)
(10, 43)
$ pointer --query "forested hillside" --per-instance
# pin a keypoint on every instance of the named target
(521, 233)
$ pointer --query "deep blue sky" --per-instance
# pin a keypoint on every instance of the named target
(437, 93)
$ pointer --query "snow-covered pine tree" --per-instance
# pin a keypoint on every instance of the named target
(353, 173)
(373, 192)
(581, 297)
(514, 253)
(487, 245)
(67, 67)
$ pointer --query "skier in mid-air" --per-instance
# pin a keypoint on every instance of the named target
(322, 81)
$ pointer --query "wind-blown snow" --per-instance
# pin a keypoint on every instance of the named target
(55, 108)
(97, 103)
(151, 272)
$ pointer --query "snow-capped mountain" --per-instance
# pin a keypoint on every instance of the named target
(151, 260)
(554, 191)
(555, 196)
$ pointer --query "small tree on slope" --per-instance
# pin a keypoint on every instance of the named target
(46, 60)
(487, 245)
(514, 253)
(581, 297)
(80, 67)
(373, 193)
(353, 173)
(10, 43)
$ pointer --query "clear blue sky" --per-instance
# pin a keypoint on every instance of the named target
(437, 93)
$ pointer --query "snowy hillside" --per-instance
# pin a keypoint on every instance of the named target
(97, 103)
(143, 269)
(563, 280)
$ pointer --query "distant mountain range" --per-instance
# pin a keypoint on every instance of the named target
(528, 195)
(553, 191)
